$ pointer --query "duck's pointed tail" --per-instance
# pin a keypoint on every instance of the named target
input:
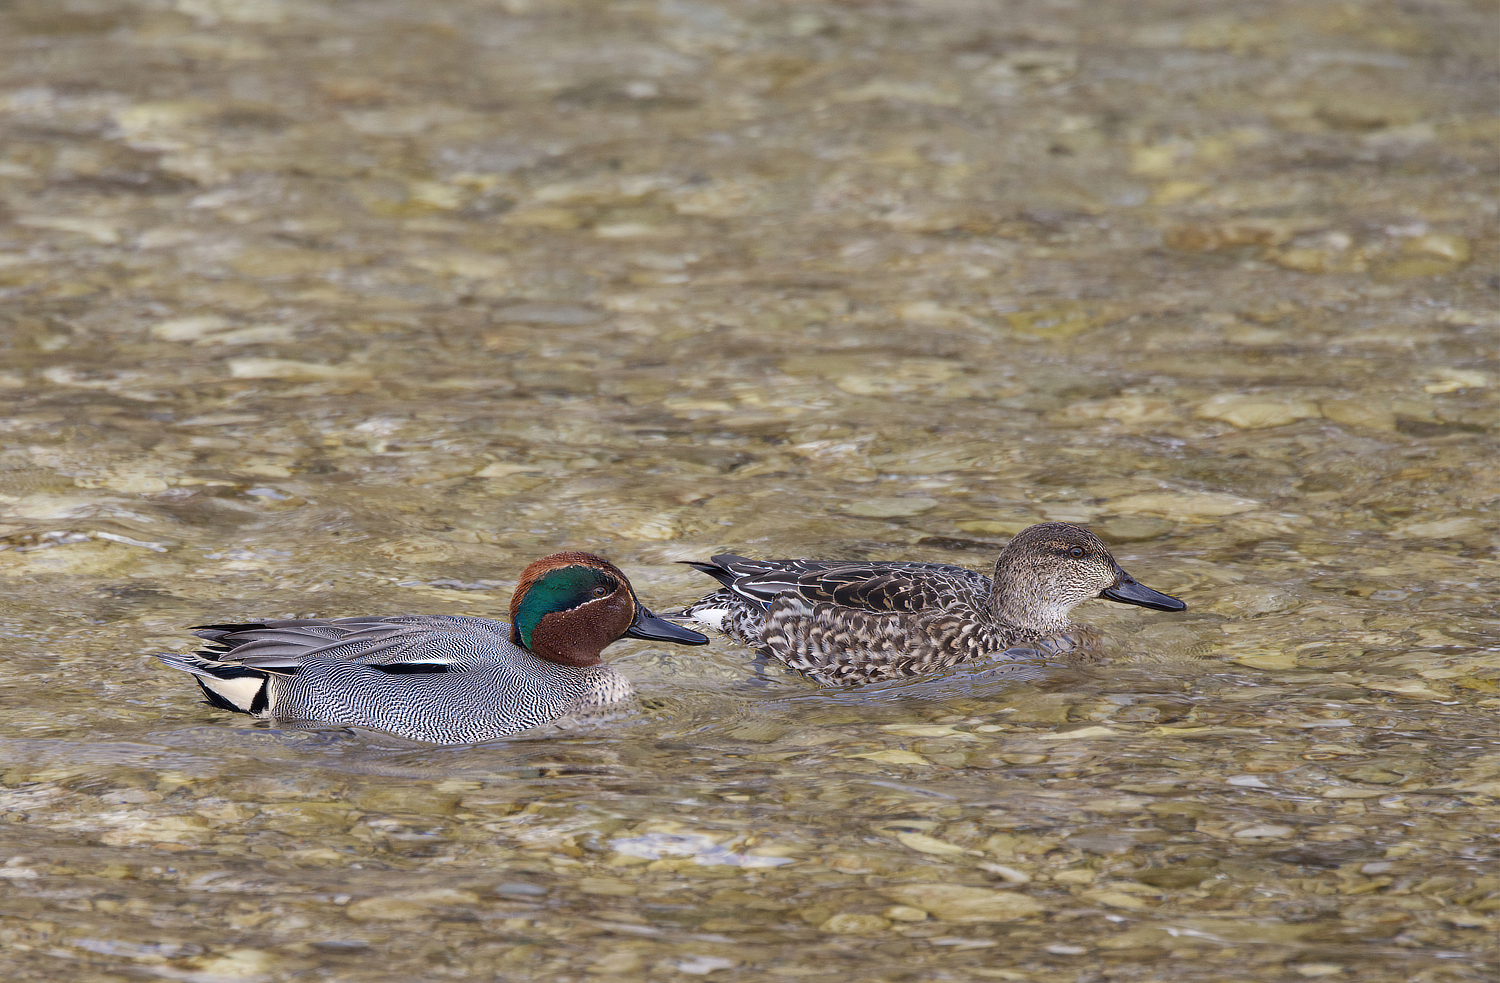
(227, 685)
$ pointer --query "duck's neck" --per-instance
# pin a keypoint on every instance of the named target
(1024, 606)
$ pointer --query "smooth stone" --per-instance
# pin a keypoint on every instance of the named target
(958, 903)
(385, 909)
(922, 843)
(1131, 529)
(1256, 412)
(1185, 504)
(891, 508)
(1270, 661)
(1414, 268)
(100, 230)
(847, 923)
(1117, 899)
(286, 368)
(442, 896)
(188, 328)
(1123, 409)
(1457, 527)
(1410, 688)
(258, 335)
(1451, 380)
(235, 964)
(1359, 412)
(648, 529)
(1454, 249)
(895, 757)
(1247, 601)
(469, 266)
(543, 218)
(624, 961)
(159, 829)
(419, 802)
(904, 913)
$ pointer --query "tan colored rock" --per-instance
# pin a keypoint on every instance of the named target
(1359, 411)
(891, 508)
(928, 312)
(189, 328)
(1184, 505)
(470, 266)
(904, 913)
(100, 230)
(847, 923)
(441, 896)
(894, 757)
(1414, 268)
(1366, 108)
(960, 903)
(1255, 412)
(1123, 409)
(386, 909)
(1454, 249)
(622, 961)
(1063, 321)
(1116, 899)
(1132, 529)
(1216, 237)
(725, 198)
(922, 843)
(651, 528)
(150, 118)
(409, 801)
(1412, 689)
(1453, 527)
(1451, 380)
(158, 829)
(1082, 733)
(236, 964)
(286, 368)
(543, 218)
(1304, 259)
(81, 559)
(1078, 875)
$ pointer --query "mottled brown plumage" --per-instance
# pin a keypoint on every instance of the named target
(844, 622)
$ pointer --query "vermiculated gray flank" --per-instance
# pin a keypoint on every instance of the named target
(446, 679)
(441, 678)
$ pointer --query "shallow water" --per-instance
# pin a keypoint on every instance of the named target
(326, 309)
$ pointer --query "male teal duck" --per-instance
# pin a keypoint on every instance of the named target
(445, 679)
(843, 622)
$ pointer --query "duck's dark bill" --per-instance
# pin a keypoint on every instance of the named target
(1127, 591)
(654, 629)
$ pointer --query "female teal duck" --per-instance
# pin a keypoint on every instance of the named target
(843, 622)
(440, 678)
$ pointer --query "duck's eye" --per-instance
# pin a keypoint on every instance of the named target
(1076, 552)
(599, 592)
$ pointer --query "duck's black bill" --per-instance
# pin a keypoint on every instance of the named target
(654, 629)
(1127, 591)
